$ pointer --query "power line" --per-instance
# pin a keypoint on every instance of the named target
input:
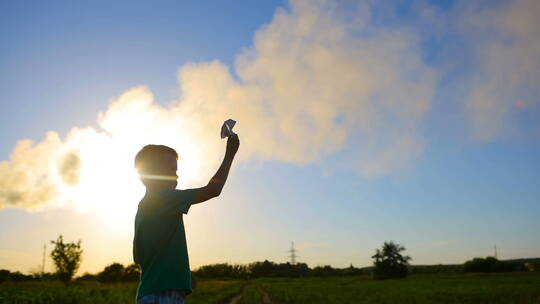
(293, 255)
(43, 263)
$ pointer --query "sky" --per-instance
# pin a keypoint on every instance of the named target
(360, 122)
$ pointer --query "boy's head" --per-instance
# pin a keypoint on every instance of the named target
(157, 165)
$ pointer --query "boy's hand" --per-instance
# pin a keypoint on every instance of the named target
(232, 144)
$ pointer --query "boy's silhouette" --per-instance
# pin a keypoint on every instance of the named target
(159, 245)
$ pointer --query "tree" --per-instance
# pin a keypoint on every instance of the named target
(389, 263)
(112, 273)
(132, 273)
(67, 258)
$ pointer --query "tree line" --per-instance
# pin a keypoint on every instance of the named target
(113, 273)
(388, 263)
(270, 269)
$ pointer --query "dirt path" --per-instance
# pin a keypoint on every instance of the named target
(236, 299)
(266, 297)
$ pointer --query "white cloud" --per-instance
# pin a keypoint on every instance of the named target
(29, 177)
(316, 81)
(506, 42)
(312, 82)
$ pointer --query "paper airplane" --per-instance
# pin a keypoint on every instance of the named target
(226, 129)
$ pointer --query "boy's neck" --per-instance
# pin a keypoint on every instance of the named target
(150, 190)
(154, 186)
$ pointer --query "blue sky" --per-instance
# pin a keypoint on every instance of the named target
(465, 179)
(97, 49)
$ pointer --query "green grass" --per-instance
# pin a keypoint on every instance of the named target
(459, 288)
(441, 288)
(212, 292)
(55, 292)
(251, 295)
(95, 293)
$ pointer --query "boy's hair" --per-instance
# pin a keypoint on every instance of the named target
(147, 159)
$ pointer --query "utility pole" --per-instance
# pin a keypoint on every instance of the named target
(293, 255)
(43, 263)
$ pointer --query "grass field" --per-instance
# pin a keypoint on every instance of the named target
(441, 288)
(479, 288)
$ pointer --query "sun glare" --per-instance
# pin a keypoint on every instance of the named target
(109, 185)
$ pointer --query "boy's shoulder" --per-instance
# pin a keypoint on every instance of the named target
(166, 200)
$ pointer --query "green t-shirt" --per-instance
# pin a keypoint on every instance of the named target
(159, 245)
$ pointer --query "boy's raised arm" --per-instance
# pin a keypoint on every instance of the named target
(216, 183)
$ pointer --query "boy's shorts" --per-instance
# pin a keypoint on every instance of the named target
(163, 297)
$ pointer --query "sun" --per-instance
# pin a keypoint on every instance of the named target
(108, 184)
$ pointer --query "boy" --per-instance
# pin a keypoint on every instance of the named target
(159, 245)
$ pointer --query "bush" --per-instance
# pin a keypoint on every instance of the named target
(491, 264)
(325, 271)
(440, 268)
(271, 269)
(4, 275)
(87, 277)
(222, 270)
(533, 266)
(19, 277)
